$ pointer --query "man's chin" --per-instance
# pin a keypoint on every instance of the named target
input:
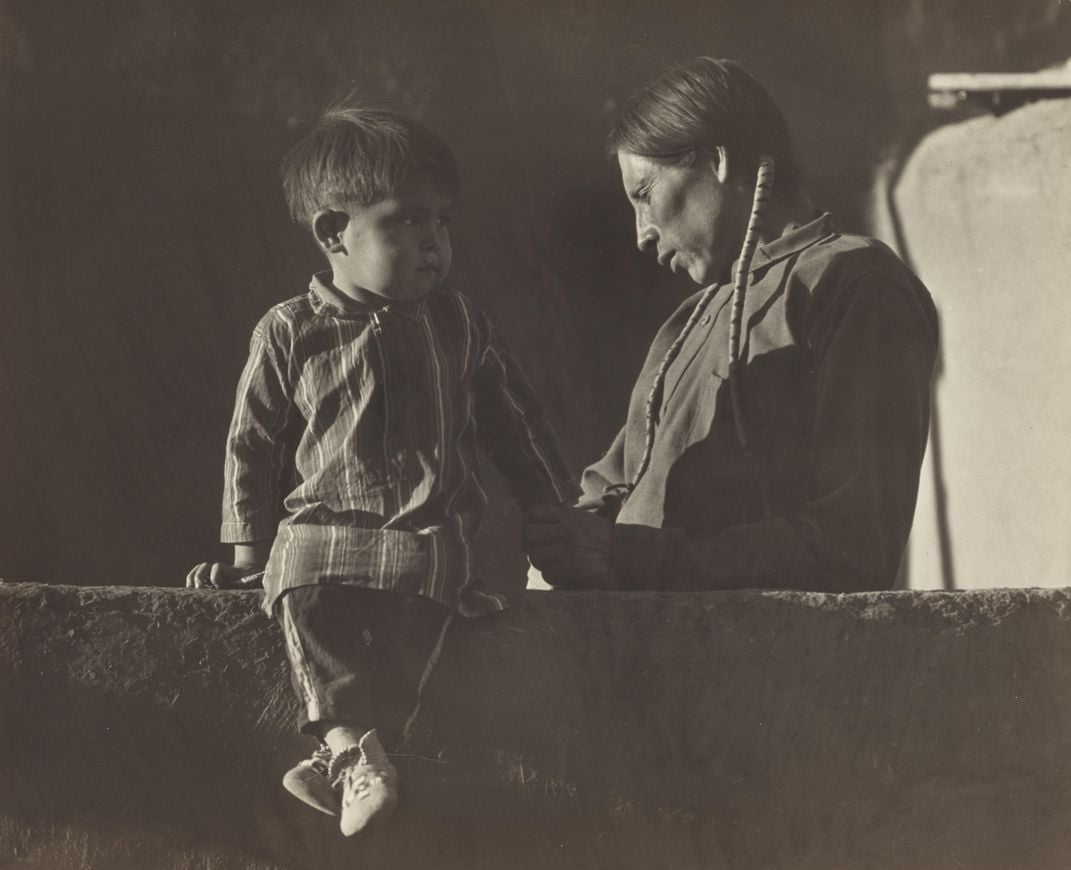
(700, 274)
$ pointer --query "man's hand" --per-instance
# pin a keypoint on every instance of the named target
(571, 547)
(219, 575)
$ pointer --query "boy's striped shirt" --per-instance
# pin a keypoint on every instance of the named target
(354, 444)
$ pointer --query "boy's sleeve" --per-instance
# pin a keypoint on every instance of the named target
(260, 446)
(514, 431)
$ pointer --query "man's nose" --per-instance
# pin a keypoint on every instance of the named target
(645, 233)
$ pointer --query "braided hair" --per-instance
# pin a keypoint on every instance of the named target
(696, 107)
(763, 190)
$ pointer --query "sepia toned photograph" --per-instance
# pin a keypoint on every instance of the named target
(564, 435)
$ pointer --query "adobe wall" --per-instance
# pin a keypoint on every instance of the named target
(149, 728)
(983, 208)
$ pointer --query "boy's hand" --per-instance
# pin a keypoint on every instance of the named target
(570, 546)
(219, 575)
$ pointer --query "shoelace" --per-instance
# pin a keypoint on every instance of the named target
(357, 783)
(321, 759)
(343, 763)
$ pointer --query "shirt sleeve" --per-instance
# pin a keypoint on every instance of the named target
(259, 457)
(603, 483)
(875, 355)
(514, 431)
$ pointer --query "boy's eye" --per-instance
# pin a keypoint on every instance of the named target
(444, 219)
(411, 220)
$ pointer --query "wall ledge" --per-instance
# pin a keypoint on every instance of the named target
(147, 727)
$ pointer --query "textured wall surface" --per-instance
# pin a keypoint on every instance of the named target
(149, 728)
(984, 209)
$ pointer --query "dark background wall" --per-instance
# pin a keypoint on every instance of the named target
(142, 231)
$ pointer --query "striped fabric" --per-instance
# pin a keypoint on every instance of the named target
(354, 444)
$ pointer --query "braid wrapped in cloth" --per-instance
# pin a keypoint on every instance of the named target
(763, 191)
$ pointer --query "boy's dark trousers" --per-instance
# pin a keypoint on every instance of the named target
(359, 656)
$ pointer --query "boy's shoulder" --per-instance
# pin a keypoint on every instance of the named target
(286, 316)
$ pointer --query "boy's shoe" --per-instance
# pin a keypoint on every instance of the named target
(309, 781)
(368, 783)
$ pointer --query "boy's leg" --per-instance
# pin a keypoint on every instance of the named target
(327, 645)
(356, 655)
(327, 641)
(407, 634)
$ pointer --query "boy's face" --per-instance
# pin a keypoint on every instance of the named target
(396, 249)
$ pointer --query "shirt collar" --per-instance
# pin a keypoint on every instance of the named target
(794, 241)
(327, 299)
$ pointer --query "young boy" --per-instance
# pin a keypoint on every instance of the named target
(352, 455)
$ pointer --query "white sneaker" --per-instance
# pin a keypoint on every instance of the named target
(368, 783)
(310, 782)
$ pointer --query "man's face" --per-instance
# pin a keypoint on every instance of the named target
(687, 213)
(396, 249)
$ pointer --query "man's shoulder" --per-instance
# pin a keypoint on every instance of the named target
(844, 258)
(836, 270)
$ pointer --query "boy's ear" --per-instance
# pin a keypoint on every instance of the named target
(328, 226)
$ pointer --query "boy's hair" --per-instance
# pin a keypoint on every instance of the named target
(699, 105)
(356, 157)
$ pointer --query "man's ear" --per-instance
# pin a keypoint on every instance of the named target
(719, 163)
(328, 226)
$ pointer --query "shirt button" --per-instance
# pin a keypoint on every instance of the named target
(705, 320)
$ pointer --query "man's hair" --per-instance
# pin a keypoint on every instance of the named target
(356, 157)
(698, 105)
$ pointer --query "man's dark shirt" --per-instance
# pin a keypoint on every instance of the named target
(840, 343)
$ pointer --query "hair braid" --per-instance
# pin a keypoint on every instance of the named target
(763, 190)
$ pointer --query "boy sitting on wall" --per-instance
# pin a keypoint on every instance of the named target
(351, 464)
